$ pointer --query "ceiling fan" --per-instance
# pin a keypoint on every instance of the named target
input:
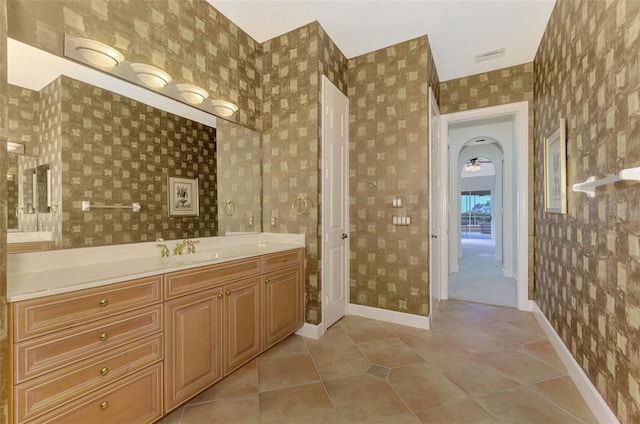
(473, 164)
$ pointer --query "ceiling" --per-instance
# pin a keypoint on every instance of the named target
(457, 29)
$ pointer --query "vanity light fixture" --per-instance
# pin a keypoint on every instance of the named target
(15, 148)
(192, 93)
(224, 108)
(97, 53)
(150, 75)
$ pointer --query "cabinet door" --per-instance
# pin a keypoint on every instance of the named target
(243, 335)
(282, 305)
(193, 359)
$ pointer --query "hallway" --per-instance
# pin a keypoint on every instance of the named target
(480, 276)
(480, 364)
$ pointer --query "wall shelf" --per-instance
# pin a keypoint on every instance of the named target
(588, 187)
(86, 206)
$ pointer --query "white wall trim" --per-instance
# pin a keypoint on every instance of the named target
(311, 331)
(592, 397)
(395, 317)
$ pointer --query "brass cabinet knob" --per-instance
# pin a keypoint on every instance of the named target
(220, 296)
(228, 293)
(284, 259)
(266, 281)
(103, 336)
(104, 405)
(103, 302)
(104, 371)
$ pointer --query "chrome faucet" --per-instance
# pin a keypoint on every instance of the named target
(178, 249)
(165, 250)
(190, 245)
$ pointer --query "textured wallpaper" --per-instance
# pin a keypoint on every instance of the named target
(587, 262)
(239, 178)
(22, 121)
(3, 212)
(190, 40)
(388, 95)
(116, 151)
(293, 66)
(499, 87)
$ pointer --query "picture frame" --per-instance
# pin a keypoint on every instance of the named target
(183, 197)
(555, 170)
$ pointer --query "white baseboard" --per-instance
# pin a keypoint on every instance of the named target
(395, 317)
(311, 331)
(592, 397)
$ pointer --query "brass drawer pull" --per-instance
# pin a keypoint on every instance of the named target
(284, 259)
(103, 336)
(228, 293)
(103, 302)
(266, 281)
(220, 296)
(104, 405)
(104, 371)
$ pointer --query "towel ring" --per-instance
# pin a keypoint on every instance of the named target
(229, 207)
(301, 204)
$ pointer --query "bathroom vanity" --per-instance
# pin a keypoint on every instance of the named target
(109, 341)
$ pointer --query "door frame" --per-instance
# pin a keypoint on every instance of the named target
(323, 230)
(440, 214)
(520, 110)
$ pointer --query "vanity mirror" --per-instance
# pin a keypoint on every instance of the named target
(110, 148)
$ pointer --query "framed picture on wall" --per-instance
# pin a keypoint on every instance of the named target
(555, 170)
(183, 197)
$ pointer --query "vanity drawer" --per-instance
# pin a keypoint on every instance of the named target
(52, 313)
(47, 392)
(190, 281)
(51, 352)
(281, 260)
(133, 399)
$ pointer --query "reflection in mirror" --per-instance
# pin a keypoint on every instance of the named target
(239, 179)
(109, 149)
(28, 191)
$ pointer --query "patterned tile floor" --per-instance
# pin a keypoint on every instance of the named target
(479, 364)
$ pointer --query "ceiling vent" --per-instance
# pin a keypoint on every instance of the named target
(490, 55)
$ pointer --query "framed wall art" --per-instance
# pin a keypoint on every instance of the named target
(183, 197)
(555, 170)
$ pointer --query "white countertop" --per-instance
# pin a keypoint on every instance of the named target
(37, 274)
(28, 236)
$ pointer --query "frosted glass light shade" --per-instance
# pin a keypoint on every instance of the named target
(192, 93)
(150, 75)
(98, 54)
(224, 108)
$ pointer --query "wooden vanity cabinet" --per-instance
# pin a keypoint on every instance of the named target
(242, 322)
(136, 350)
(88, 353)
(193, 359)
(283, 295)
(210, 332)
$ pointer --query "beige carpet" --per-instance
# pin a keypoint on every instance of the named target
(480, 278)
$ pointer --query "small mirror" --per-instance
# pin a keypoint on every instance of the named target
(42, 189)
(28, 191)
(36, 190)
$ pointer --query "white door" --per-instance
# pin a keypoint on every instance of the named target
(335, 201)
(435, 206)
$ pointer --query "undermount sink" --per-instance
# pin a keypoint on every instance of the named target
(190, 258)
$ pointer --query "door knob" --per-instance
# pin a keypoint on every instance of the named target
(344, 236)
(434, 236)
